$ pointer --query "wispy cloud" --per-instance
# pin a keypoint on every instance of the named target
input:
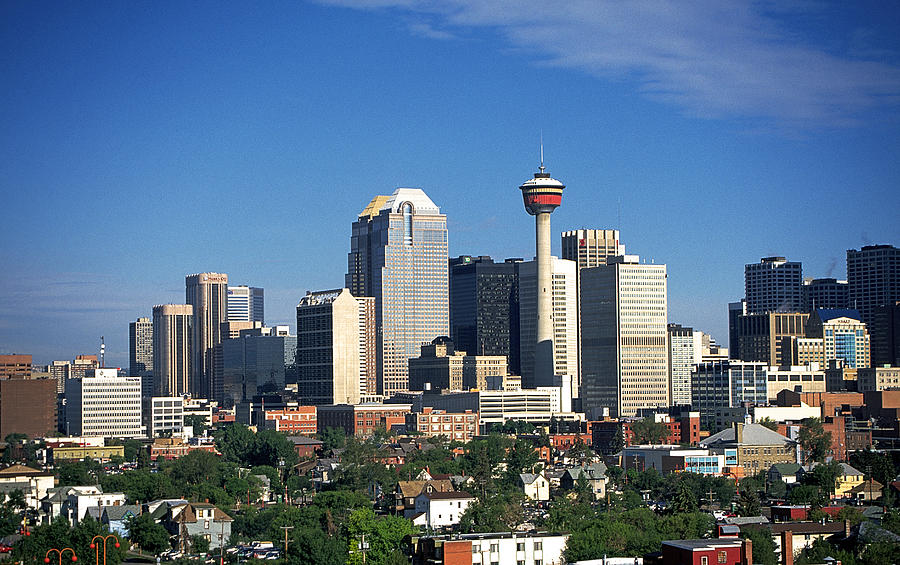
(712, 59)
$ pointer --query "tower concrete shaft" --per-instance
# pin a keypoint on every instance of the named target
(543, 353)
(542, 195)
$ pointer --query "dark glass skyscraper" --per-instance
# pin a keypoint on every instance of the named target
(483, 307)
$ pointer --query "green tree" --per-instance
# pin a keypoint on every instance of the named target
(648, 430)
(777, 489)
(814, 440)
(384, 537)
(520, 458)
(272, 448)
(132, 448)
(76, 473)
(236, 443)
(748, 504)
(197, 422)
(769, 423)
(824, 476)
(685, 499)
(199, 544)
(498, 513)
(333, 438)
(147, 534)
(763, 545)
(59, 534)
(875, 464)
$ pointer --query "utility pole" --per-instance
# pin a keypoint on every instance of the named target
(286, 528)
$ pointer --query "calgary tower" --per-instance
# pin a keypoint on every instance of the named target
(542, 195)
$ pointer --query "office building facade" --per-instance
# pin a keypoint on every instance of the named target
(825, 293)
(256, 363)
(624, 358)
(886, 335)
(685, 351)
(844, 336)
(399, 256)
(245, 304)
(590, 248)
(564, 318)
(104, 404)
(483, 304)
(328, 348)
(140, 347)
(761, 337)
(207, 293)
(441, 367)
(873, 277)
(172, 335)
(773, 285)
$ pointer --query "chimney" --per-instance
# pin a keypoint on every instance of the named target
(739, 432)
(787, 548)
(747, 553)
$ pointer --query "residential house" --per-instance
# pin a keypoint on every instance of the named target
(785, 472)
(441, 509)
(536, 486)
(407, 491)
(504, 548)
(846, 481)
(33, 483)
(595, 473)
(116, 517)
(198, 519)
(753, 447)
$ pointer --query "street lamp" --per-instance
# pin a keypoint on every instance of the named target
(60, 552)
(95, 546)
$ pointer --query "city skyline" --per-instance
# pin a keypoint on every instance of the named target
(127, 137)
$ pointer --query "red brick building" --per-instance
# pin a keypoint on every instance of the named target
(172, 448)
(718, 551)
(15, 366)
(459, 426)
(683, 429)
(27, 406)
(361, 420)
(293, 420)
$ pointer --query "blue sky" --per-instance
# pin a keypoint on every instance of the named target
(140, 142)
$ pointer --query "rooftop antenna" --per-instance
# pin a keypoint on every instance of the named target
(102, 353)
(542, 150)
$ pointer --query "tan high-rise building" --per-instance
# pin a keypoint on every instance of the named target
(328, 347)
(368, 346)
(441, 367)
(208, 294)
(590, 248)
(398, 255)
(172, 349)
(844, 335)
(624, 358)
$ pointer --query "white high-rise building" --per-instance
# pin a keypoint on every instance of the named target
(140, 347)
(245, 304)
(104, 404)
(398, 255)
(685, 351)
(564, 304)
(624, 355)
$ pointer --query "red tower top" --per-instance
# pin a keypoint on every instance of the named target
(542, 194)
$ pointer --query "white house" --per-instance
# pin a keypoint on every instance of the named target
(442, 509)
(33, 483)
(82, 498)
(536, 486)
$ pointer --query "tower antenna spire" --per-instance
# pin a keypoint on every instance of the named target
(542, 150)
